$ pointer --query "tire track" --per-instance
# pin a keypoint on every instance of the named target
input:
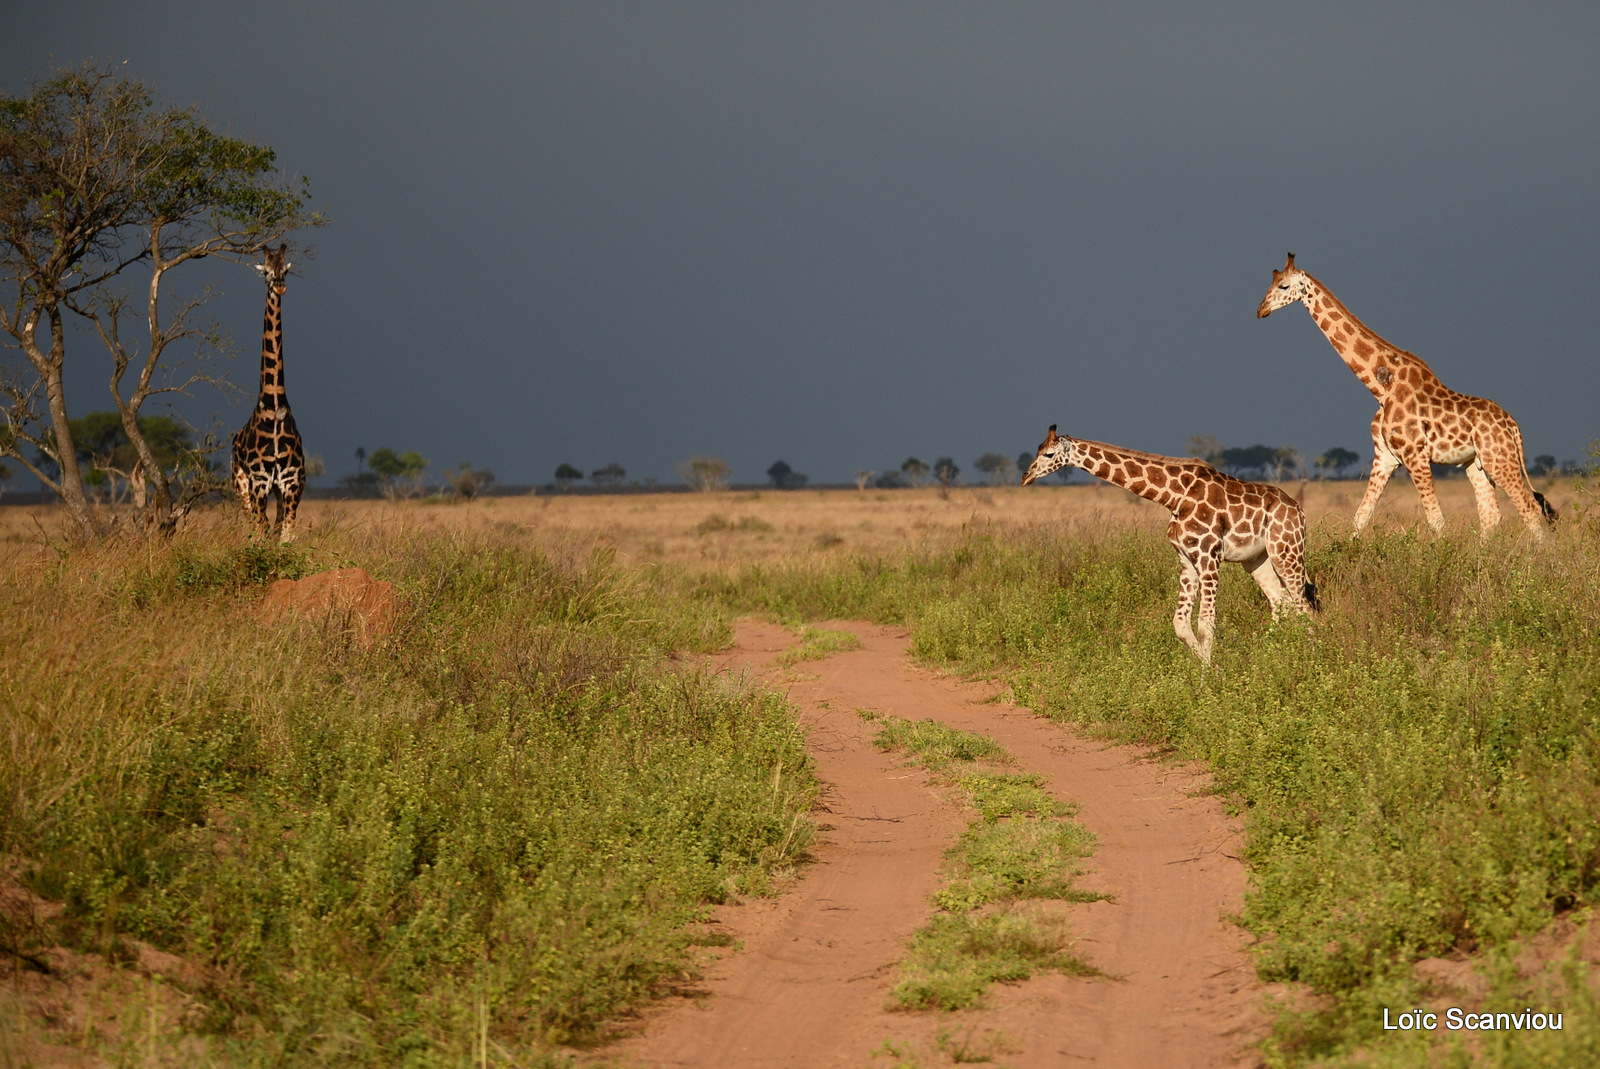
(809, 988)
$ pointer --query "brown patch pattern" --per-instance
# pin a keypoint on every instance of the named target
(268, 456)
(1215, 518)
(1420, 421)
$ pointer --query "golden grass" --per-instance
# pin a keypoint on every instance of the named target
(720, 532)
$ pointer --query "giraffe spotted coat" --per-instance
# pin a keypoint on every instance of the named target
(268, 457)
(1215, 518)
(1420, 420)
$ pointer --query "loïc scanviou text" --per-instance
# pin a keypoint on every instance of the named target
(1456, 1020)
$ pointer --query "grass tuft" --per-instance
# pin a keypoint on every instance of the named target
(955, 958)
(817, 643)
(937, 746)
(1020, 847)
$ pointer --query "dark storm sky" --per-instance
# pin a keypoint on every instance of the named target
(839, 234)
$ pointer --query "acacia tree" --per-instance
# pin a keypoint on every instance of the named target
(916, 470)
(998, 468)
(96, 177)
(401, 473)
(705, 473)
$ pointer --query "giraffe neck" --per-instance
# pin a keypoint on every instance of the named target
(272, 396)
(1130, 470)
(1375, 362)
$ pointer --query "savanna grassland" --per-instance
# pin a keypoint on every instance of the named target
(233, 843)
(494, 829)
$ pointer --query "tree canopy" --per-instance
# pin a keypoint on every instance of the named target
(1335, 460)
(785, 477)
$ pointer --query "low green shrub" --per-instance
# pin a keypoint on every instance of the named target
(514, 806)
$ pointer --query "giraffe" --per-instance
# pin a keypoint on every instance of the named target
(267, 454)
(1215, 518)
(1420, 421)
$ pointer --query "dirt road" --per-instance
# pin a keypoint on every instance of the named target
(808, 988)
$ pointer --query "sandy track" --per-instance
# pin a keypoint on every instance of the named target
(809, 987)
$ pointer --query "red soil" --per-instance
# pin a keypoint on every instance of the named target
(808, 985)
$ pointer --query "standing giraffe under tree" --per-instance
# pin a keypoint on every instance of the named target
(267, 454)
(1420, 421)
(1215, 518)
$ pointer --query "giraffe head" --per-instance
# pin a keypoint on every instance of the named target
(276, 267)
(1289, 285)
(1054, 452)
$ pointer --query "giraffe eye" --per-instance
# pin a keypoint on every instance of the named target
(1284, 286)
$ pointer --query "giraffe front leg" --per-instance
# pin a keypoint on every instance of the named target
(255, 505)
(1422, 478)
(1383, 464)
(1209, 564)
(288, 506)
(1483, 490)
(1188, 588)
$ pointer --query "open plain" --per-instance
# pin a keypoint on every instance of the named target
(615, 787)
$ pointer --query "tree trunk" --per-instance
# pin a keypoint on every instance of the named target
(71, 488)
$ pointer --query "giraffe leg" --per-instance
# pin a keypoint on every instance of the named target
(255, 504)
(1505, 466)
(1483, 490)
(1208, 564)
(1266, 577)
(1383, 464)
(1422, 478)
(1188, 587)
(1286, 548)
(288, 505)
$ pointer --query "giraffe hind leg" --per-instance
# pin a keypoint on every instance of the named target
(1483, 490)
(1535, 511)
(1286, 549)
(288, 508)
(1266, 576)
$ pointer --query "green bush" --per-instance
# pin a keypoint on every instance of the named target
(515, 801)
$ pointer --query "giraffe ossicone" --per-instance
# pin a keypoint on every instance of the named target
(1215, 518)
(1420, 420)
(268, 457)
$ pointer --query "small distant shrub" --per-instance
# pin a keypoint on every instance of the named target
(718, 522)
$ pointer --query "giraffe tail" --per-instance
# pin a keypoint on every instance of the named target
(1310, 593)
(1549, 510)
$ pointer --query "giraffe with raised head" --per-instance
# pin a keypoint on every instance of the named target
(1215, 518)
(268, 457)
(1420, 420)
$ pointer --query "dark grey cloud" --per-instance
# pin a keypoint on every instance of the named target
(840, 234)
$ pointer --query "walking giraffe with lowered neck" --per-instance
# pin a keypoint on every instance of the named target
(1215, 518)
(1420, 421)
(268, 456)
